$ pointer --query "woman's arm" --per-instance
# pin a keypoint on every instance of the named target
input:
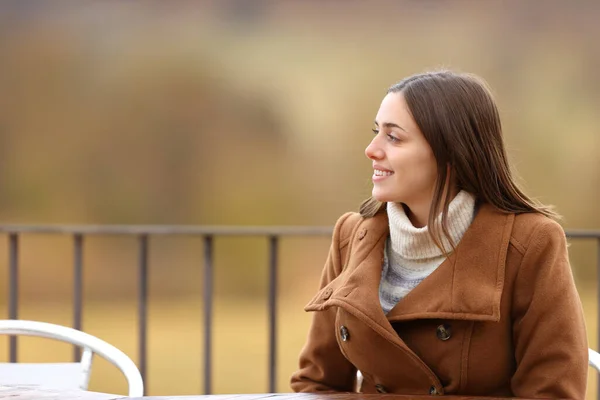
(549, 334)
(322, 365)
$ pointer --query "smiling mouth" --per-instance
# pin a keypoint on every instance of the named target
(378, 172)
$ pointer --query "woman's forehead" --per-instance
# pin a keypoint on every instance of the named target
(394, 111)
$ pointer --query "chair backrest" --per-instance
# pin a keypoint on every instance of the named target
(65, 375)
(594, 359)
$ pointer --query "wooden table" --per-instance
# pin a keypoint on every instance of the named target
(36, 392)
(315, 396)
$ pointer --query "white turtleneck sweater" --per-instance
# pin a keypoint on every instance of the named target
(411, 254)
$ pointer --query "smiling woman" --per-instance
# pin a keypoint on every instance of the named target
(450, 280)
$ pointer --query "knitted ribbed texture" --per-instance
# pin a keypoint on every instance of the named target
(411, 254)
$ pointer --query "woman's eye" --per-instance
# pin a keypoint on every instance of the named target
(375, 131)
(393, 138)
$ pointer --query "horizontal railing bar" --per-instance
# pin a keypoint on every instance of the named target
(203, 230)
(171, 230)
(583, 234)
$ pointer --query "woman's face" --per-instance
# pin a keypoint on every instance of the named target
(405, 169)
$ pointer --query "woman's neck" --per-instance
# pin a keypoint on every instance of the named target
(418, 216)
(411, 242)
(418, 212)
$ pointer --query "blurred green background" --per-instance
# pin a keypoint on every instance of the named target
(248, 112)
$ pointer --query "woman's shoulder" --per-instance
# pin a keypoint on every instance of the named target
(535, 227)
(350, 217)
(346, 224)
(352, 223)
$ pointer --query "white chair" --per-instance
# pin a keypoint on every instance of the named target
(359, 381)
(68, 376)
(594, 359)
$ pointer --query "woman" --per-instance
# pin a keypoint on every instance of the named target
(450, 280)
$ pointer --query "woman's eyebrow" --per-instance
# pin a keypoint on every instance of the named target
(391, 125)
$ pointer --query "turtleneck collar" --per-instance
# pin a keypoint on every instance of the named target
(412, 243)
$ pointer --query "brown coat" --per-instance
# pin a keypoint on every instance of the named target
(501, 316)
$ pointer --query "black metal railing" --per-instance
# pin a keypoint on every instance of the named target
(143, 233)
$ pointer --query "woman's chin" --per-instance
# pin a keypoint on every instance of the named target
(381, 197)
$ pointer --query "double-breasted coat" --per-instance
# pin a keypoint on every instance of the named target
(500, 316)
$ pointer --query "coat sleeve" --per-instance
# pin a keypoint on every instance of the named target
(551, 350)
(322, 366)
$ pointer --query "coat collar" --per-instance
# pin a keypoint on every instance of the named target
(467, 285)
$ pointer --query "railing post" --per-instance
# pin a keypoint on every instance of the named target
(77, 289)
(208, 299)
(273, 248)
(143, 305)
(13, 290)
(598, 310)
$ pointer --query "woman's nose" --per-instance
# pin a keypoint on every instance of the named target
(373, 151)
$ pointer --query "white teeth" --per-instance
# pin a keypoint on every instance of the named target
(382, 173)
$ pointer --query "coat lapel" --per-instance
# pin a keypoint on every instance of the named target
(467, 285)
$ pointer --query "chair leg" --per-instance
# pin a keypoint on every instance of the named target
(86, 364)
(359, 381)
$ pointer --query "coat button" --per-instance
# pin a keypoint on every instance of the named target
(433, 391)
(444, 332)
(380, 388)
(327, 293)
(362, 234)
(344, 334)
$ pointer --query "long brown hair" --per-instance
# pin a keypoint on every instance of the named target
(457, 115)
